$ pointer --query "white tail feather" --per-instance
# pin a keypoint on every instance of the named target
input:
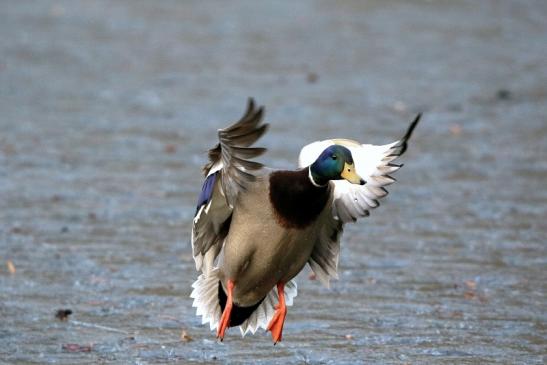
(265, 311)
(205, 295)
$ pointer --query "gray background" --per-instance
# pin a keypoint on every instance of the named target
(107, 109)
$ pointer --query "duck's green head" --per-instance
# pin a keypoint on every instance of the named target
(334, 163)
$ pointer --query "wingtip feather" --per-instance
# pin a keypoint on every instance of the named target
(408, 133)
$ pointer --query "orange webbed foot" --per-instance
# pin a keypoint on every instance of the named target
(278, 320)
(225, 318)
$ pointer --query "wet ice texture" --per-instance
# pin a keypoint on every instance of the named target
(107, 109)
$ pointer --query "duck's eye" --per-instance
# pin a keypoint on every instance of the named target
(334, 157)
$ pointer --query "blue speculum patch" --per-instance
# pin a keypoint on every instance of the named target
(206, 191)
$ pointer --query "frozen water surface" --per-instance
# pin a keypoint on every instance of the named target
(107, 108)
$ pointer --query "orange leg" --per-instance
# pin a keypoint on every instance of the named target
(225, 319)
(276, 324)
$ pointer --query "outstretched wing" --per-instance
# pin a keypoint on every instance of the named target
(326, 251)
(228, 173)
(351, 201)
(373, 163)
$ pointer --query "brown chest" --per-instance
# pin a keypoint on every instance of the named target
(296, 202)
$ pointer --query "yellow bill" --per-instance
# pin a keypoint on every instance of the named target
(350, 175)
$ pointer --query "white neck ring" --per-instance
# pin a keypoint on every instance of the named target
(312, 180)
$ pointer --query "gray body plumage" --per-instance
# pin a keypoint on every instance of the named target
(238, 235)
(258, 251)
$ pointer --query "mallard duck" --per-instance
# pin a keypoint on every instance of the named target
(256, 228)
